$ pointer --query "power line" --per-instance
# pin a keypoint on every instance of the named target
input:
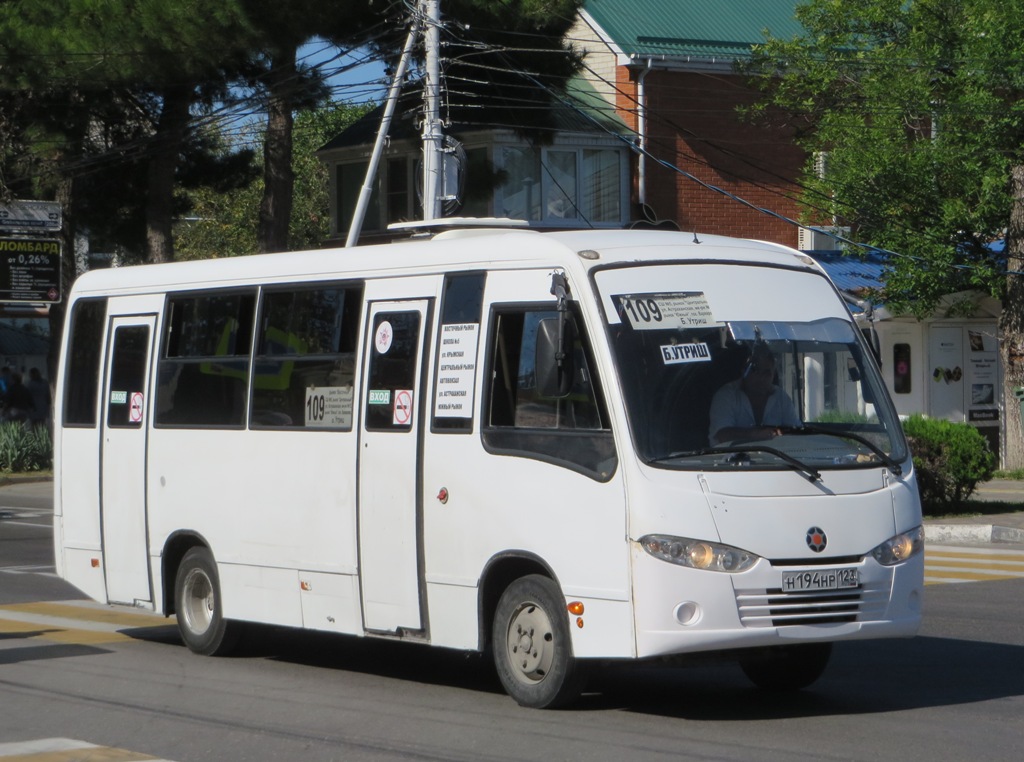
(236, 120)
(632, 144)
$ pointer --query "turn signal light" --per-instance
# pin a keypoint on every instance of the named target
(575, 608)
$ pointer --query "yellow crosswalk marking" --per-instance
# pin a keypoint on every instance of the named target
(68, 750)
(91, 754)
(946, 564)
(88, 611)
(81, 622)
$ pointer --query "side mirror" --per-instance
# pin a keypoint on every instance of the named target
(874, 343)
(553, 363)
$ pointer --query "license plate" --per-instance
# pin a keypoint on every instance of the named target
(820, 579)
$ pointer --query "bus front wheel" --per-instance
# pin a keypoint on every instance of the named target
(786, 668)
(197, 602)
(532, 645)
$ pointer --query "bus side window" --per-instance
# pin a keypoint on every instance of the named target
(516, 399)
(127, 374)
(204, 362)
(305, 357)
(570, 430)
(85, 350)
(392, 370)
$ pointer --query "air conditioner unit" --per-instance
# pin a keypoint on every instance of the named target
(822, 238)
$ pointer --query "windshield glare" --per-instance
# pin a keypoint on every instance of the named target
(752, 393)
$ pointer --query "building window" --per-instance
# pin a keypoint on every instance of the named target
(395, 188)
(560, 177)
(901, 378)
(558, 185)
(400, 191)
(603, 174)
(478, 194)
(520, 190)
(551, 186)
(350, 179)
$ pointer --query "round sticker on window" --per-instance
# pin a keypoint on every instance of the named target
(382, 340)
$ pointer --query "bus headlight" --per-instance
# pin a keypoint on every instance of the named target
(898, 549)
(697, 554)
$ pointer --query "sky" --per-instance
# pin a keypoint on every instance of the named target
(358, 76)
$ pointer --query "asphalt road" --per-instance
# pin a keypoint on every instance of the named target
(121, 679)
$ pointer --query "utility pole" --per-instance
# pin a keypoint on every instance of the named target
(382, 134)
(433, 137)
(427, 12)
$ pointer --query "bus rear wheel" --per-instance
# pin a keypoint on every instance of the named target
(197, 602)
(532, 645)
(786, 668)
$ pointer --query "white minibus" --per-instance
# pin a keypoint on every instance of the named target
(559, 448)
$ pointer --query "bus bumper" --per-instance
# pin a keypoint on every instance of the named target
(681, 610)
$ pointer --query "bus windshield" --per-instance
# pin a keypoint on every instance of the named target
(706, 393)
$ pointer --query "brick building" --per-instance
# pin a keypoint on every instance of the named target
(668, 66)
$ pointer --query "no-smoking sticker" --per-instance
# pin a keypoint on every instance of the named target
(135, 408)
(403, 407)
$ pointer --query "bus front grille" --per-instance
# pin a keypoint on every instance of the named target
(775, 608)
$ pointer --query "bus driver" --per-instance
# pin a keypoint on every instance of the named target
(752, 407)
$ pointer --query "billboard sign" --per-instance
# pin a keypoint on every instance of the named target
(29, 270)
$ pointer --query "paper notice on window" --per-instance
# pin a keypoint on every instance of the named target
(329, 407)
(456, 370)
(655, 312)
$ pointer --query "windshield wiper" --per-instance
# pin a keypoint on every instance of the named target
(810, 472)
(883, 456)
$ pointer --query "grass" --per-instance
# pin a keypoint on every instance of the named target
(972, 508)
(9, 477)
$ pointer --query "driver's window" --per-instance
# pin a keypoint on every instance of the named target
(571, 431)
(515, 397)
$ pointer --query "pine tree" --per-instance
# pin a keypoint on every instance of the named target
(285, 86)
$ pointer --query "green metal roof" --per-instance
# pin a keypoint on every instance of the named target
(709, 30)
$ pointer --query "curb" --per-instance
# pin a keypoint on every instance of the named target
(1007, 534)
(954, 533)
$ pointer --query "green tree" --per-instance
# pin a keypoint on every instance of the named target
(223, 224)
(98, 98)
(112, 84)
(284, 86)
(918, 108)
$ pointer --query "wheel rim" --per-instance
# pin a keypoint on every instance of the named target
(530, 643)
(198, 602)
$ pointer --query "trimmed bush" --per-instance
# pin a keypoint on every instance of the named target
(25, 448)
(950, 460)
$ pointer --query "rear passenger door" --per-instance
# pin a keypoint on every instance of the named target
(123, 452)
(389, 470)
